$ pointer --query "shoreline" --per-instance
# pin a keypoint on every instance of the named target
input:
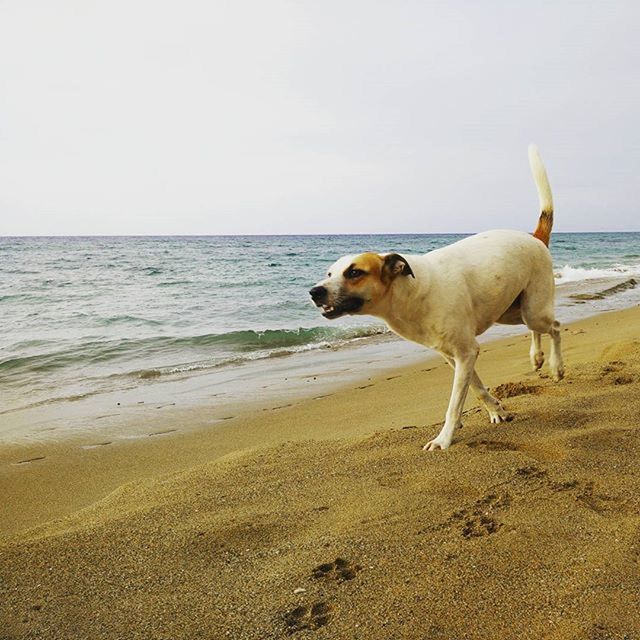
(113, 414)
(50, 479)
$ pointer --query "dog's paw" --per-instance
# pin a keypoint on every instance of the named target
(557, 373)
(537, 360)
(436, 443)
(499, 414)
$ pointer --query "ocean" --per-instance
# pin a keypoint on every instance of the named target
(84, 316)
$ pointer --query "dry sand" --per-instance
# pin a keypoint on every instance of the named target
(528, 529)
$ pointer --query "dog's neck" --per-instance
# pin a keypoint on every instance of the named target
(399, 308)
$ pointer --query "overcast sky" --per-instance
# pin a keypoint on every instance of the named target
(151, 117)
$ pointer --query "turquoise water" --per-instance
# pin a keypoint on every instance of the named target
(85, 315)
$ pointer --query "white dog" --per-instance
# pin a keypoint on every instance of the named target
(446, 298)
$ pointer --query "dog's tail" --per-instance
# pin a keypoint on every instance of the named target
(545, 222)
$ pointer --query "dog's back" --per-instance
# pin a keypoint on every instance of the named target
(485, 272)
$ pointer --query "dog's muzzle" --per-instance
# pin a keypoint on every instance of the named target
(320, 295)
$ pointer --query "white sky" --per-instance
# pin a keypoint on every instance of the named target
(151, 117)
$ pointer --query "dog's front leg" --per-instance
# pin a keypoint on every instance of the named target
(463, 373)
(493, 406)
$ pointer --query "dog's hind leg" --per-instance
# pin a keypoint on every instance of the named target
(462, 376)
(556, 363)
(552, 327)
(538, 315)
(493, 406)
(543, 322)
(535, 353)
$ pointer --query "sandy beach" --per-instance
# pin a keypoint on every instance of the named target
(322, 517)
(216, 221)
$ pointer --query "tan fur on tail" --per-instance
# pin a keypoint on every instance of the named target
(543, 230)
(545, 222)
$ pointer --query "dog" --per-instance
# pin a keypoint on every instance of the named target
(447, 297)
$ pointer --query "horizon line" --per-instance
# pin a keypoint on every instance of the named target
(276, 235)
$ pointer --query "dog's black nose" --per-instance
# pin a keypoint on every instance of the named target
(318, 294)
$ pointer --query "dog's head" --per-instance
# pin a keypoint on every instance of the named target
(357, 284)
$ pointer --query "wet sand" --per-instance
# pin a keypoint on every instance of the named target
(323, 518)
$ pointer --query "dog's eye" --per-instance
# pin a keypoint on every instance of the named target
(354, 273)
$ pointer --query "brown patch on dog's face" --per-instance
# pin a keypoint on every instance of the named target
(356, 284)
(363, 277)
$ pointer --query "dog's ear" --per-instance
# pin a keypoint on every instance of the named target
(395, 265)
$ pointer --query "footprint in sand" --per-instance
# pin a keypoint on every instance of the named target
(492, 445)
(480, 520)
(308, 617)
(615, 367)
(586, 495)
(583, 492)
(338, 570)
(598, 502)
(531, 471)
(478, 526)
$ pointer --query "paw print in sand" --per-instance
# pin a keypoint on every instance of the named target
(305, 617)
(338, 570)
(476, 526)
(480, 520)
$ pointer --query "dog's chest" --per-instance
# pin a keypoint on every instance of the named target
(419, 332)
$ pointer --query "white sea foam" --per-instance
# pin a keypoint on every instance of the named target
(576, 274)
